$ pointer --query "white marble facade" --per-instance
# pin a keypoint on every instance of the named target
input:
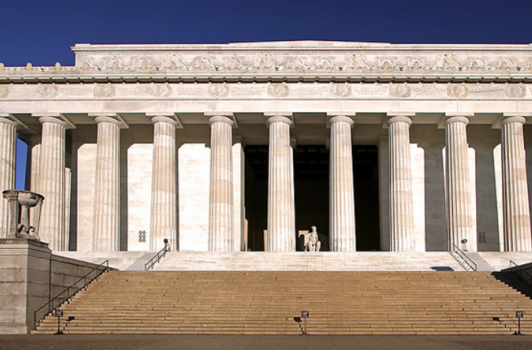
(137, 143)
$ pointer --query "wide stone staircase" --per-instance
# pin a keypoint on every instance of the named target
(266, 302)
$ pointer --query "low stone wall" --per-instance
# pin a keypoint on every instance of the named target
(29, 275)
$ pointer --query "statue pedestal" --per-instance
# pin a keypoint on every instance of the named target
(24, 282)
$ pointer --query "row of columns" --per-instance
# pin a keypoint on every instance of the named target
(281, 207)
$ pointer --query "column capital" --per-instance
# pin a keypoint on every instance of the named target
(221, 119)
(54, 119)
(399, 119)
(279, 117)
(456, 119)
(7, 118)
(513, 119)
(112, 118)
(165, 117)
(224, 117)
(340, 118)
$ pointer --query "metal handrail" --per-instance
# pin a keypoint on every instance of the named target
(70, 295)
(521, 271)
(161, 254)
(465, 260)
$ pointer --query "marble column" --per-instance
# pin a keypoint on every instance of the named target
(106, 229)
(401, 199)
(516, 211)
(163, 221)
(342, 235)
(51, 182)
(458, 184)
(8, 148)
(221, 201)
(281, 208)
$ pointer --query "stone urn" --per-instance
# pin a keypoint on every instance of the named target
(20, 220)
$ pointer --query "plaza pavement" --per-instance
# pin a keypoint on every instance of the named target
(261, 342)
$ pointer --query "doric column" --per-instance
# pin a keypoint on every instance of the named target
(106, 229)
(221, 209)
(51, 183)
(516, 211)
(401, 199)
(458, 184)
(163, 221)
(281, 208)
(8, 148)
(342, 235)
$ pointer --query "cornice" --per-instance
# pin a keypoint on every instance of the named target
(284, 62)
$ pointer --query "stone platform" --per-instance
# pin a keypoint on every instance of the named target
(301, 261)
(315, 261)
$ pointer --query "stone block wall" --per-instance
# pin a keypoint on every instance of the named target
(29, 276)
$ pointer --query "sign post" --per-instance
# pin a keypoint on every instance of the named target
(519, 315)
(59, 314)
(305, 315)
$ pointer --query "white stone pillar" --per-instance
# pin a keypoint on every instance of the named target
(342, 236)
(281, 208)
(106, 229)
(516, 211)
(163, 220)
(8, 149)
(51, 183)
(402, 222)
(221, 201)
(458, 184)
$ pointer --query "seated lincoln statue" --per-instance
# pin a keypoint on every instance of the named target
(312, 243)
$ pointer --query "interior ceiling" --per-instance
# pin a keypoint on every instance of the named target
(312, 162)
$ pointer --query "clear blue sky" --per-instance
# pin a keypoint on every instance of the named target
(42, 31)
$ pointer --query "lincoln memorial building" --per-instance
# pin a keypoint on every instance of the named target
(240, 147)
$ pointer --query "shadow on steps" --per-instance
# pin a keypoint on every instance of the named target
(514, 281)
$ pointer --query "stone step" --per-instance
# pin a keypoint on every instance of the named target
(180, 302)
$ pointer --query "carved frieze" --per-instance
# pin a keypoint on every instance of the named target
(160, 90)
(457, 90)
(515, 90)
(278, 90)
(340, 90)
(309, 63)
(311, 91)
(400, 90)
(104, 90)
(4, 91)
(49, 91)
(219, 90)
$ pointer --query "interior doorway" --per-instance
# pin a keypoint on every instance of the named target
(311, 185)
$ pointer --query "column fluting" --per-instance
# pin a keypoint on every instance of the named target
(106, 229)
(51, 183)
(458, 185)
(221, 207)
(516, 211)
(341, 190)
(163, 222)
(8, 148)
(402, 222)
(281, 209)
